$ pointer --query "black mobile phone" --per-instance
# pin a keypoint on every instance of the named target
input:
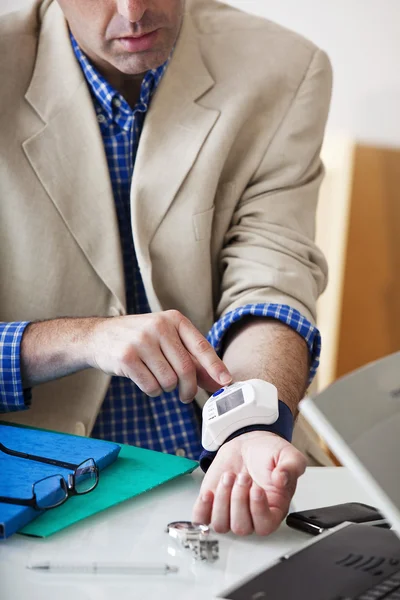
(320, 519)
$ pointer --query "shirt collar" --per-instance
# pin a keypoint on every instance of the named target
(113, 103)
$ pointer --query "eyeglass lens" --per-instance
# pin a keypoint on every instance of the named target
(86, 476)
(50, 492)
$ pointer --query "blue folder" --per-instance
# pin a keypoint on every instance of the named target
(17, 475)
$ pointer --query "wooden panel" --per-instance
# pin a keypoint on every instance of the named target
(331, 236)
(370, 320)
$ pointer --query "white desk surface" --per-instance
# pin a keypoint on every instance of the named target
(135, 531)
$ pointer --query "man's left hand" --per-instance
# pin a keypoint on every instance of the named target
(249, 485)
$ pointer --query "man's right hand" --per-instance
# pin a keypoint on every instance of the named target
(157, 351)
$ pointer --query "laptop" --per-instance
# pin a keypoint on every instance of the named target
(359, 418)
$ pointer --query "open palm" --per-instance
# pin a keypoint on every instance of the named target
(250, 484)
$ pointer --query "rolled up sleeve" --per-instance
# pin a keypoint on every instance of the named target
(12, 395)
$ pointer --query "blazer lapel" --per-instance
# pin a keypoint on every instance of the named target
(175, 129)
(67, 153)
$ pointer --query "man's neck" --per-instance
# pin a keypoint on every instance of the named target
(128, 86)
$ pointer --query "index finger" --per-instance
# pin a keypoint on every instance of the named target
(202, 350)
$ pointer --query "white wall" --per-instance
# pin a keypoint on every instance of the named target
(362, 38)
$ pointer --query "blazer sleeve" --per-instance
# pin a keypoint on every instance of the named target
(269, 255)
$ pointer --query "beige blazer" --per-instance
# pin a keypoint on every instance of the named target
(223, 195)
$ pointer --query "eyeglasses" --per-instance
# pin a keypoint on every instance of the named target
(53, 490)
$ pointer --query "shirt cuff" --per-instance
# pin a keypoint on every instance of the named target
(283, 313)
(12, 395)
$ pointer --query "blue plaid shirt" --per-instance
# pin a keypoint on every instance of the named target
(127, 414)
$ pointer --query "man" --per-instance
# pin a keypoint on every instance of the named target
(158, 180)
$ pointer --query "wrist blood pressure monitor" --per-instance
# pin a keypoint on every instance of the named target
(252, 402)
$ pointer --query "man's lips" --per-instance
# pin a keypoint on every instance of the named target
(133, 43)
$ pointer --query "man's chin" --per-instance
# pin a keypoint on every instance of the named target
(140, 63)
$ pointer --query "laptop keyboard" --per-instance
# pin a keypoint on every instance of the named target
(389, 589)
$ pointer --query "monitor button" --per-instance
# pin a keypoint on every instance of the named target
(218, 392)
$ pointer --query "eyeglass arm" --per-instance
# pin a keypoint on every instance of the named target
(42, 459)
(19, 501)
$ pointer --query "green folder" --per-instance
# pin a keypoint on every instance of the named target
(135, 471)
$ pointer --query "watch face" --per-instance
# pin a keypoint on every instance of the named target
(232, 400)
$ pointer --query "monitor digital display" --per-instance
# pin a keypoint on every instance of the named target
(230, 401)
